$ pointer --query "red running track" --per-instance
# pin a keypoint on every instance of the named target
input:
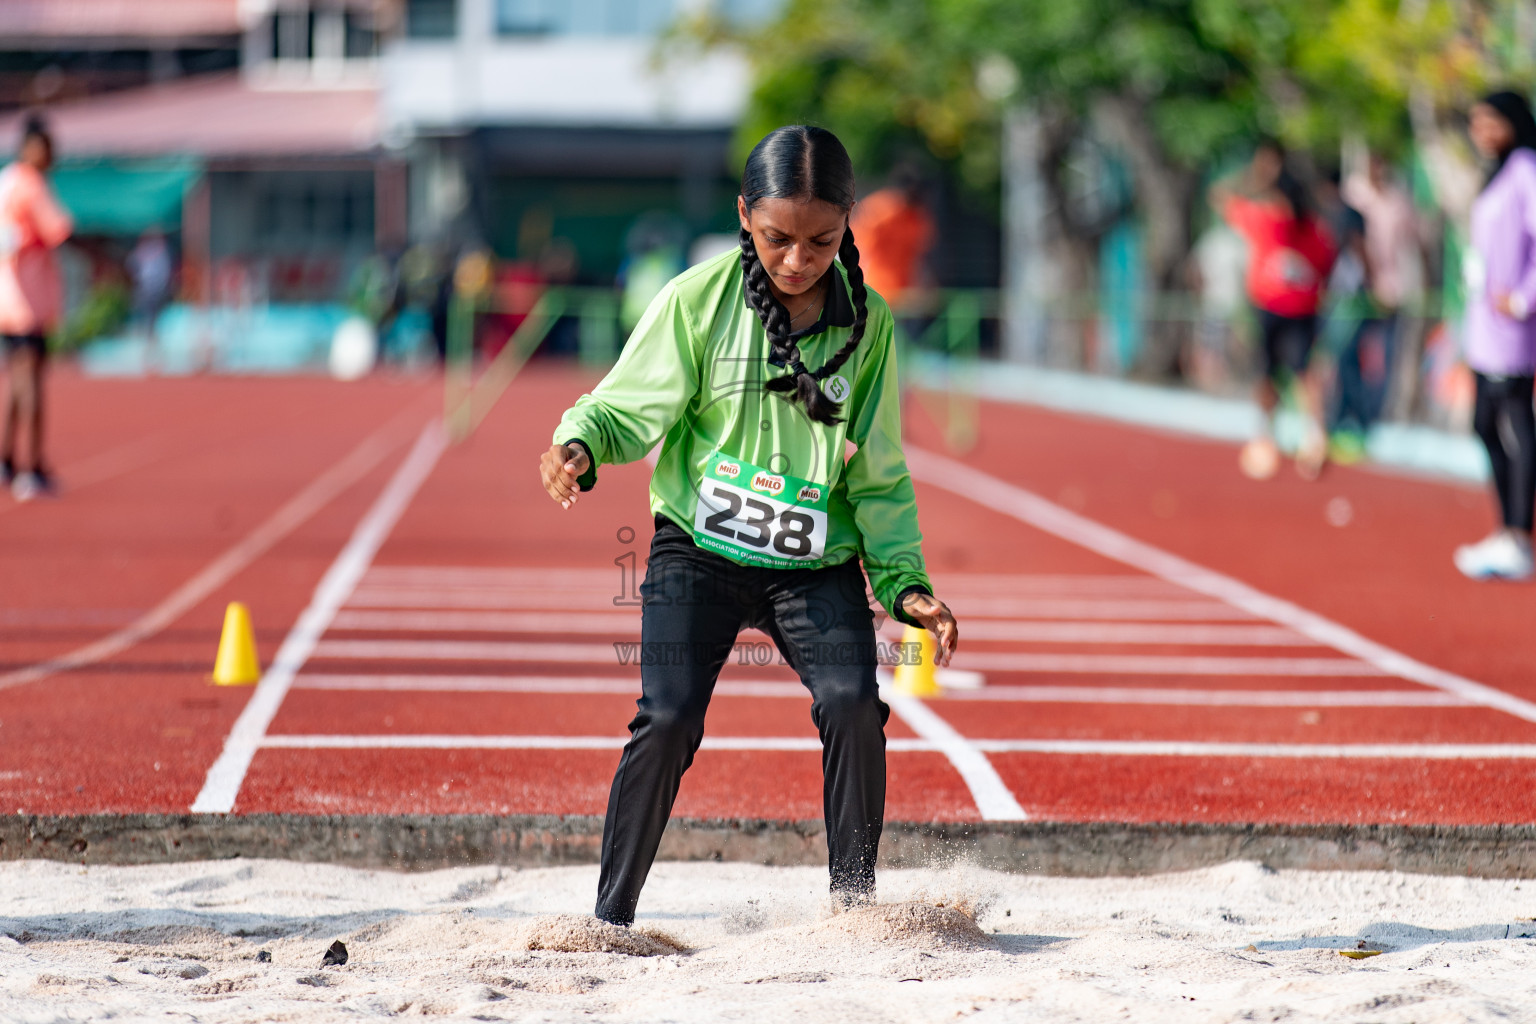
(1161, 639)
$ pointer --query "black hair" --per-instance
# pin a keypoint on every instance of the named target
(801, 162)
(1514, 108)
(35, 127)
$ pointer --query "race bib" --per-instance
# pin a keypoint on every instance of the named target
(756, 517)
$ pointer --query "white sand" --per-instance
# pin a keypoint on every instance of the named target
(180, 942)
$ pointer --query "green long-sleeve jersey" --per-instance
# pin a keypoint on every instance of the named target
(739, 461)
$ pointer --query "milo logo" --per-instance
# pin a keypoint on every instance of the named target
(728, 469)
(811, 494)
(768, 483)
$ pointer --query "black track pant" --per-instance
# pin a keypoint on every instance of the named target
(1504, 420)
(694, 604)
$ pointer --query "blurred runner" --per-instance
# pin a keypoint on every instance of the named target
(760, 521)
(1349, 311)
(1290, 252)
(149, 270)
(894, 232)
(1500, 267)
(32, 225)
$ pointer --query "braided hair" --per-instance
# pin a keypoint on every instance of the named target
(801, 162)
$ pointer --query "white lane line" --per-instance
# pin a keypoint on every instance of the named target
(227, 774)
(1057, 584)
(979, 585)
(1124, 748)
(468, 650)
(459, 741)
(487, 576)
(626, 685)
(1179, 748)
(294, 513)
(1096, 608)
(1214, 698)
(958, 478)
(551, 598)
(1019, 631)
(619, 624)
(993, 798)
(1163, 664)
(540, 598)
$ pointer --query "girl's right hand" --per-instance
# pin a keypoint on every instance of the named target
(560, 467)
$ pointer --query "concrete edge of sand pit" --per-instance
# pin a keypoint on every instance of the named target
(423, 842)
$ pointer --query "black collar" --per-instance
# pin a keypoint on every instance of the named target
(837, 311)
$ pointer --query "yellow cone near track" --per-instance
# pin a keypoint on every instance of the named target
(919, 680)
(236, 664)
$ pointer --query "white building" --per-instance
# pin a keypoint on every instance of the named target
(530, 121)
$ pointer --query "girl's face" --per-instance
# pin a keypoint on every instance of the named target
(38, 152)
(796, 240)
(1490, 133)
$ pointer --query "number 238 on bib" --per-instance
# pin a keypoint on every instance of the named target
(757, 517)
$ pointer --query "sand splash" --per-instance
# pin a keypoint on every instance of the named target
(574, 933)
(923, 925)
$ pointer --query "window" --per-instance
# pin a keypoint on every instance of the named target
(584, 17)
(431, 19)
(293, 33)
(362, 35)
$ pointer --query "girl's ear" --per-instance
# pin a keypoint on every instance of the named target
(741, 212)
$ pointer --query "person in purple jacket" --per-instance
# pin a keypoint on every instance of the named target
(1500, 337)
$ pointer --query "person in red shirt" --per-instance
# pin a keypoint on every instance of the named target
(1290, 251)
(894, 231)
(32, 225)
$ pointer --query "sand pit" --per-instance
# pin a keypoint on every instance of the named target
(242, 942)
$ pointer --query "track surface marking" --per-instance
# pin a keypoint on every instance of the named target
(475, 660)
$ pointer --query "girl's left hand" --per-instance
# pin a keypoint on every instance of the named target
(937, 619)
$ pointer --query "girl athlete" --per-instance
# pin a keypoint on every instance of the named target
(754, 370)
(1500, 329)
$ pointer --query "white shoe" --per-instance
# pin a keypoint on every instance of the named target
(1500, 556)
(26, 486)
(1260, 459)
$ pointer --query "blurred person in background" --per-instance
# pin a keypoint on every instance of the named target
(149, 271)
(32, 225)
(894, 231)
(1349, 311)
(1395, 256)
(1289, 254)
(654, 254)
(1215, 273)
(1500, 342)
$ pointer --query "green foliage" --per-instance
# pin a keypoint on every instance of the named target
(891, 76)
(104, 311)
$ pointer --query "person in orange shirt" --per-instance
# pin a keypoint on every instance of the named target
(894, 231)
(32, 225)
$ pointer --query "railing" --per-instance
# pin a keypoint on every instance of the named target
(467, 398)
(940, 335)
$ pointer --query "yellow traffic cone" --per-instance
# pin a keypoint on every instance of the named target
(236, 664)
(917, 680)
